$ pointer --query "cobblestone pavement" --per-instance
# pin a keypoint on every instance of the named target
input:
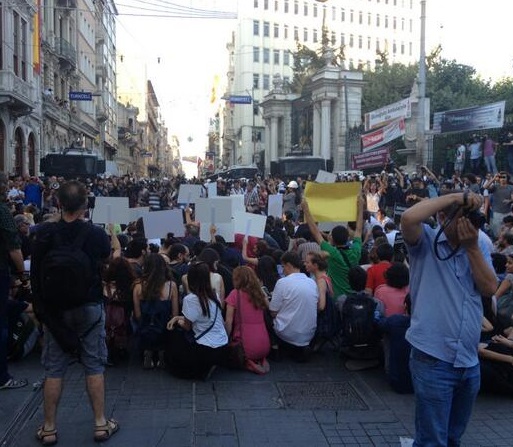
(319, 403)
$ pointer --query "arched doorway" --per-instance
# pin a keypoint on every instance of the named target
(32, 154)
(2, 146)
(18, 152)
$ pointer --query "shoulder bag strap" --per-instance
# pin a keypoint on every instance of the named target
(210, 327)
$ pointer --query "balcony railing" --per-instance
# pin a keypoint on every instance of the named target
(65, 50)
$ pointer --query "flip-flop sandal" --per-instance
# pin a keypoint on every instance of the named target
(13, 384)
(46, 437)
(103, 433)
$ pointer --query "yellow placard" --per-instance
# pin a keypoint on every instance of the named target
(333, 202)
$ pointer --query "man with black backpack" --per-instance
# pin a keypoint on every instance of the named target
(68, 299)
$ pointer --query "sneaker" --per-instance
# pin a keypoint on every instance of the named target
(161, 362)
(148, 360)
(13, 384)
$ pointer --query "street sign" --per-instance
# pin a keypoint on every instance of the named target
(80, 96)
(240, 99)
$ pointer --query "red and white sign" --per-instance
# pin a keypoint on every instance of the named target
(371, 159)
(382, 136)
(387, 114)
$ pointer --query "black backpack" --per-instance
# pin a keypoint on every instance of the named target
(358, 320)
(67, 272)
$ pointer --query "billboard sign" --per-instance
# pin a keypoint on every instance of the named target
(383, 135)
(380, 117)
(489, 116)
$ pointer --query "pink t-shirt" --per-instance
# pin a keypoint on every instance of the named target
(392, 298)
(255, 337)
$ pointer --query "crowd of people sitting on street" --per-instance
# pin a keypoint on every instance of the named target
(189, 305)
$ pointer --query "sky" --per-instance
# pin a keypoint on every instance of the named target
(182, 56)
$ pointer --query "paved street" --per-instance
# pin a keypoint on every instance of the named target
(315, 404)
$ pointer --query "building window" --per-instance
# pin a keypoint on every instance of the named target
(351, 16)
(16, 43)
(267, 31)
(377, 44)
(296, 33)
(256, 28)
(360, 42)
(315, 10)
(402, 47)
(286, 6)
(255, 3)
(305, 34)
(386, 21)
(342, 39)
(266, 82)
(256, 80)
(285, 31)
(276, 30)
(333, 38)
(394, 47)
(360, 18)
(256, 54)
(276, 57)
(377, 20)
(266, 4)
(411, 25)
(369, 18)
(351, 40)
(342, 15)
(333, 13)
(402, 24)
(286, 58)
(305, 9)
(314, 38)
(276, 5)
(296, 7)
(410, 48)
(369, 44)
(266, 55)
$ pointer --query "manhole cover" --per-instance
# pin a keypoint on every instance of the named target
(325, 396)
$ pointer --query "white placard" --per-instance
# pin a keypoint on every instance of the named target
(325, 177)
(212, 189)
(255, 226)
(275, 205)
(222, 210)
(111, 210)
(222, 229)
(189, 193)
(135, 213)
(158, 223)
(237, 203)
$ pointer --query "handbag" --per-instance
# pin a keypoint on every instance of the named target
(236, 354)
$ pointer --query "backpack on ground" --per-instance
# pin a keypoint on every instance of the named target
(154, 317)
(357, 315)
(67, 272)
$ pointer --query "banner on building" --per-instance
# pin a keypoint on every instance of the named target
(371, 159)
(380, 117)
(383, 135)
(489, 116)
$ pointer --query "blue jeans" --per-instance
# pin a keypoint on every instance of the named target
(444, 396)
(4, 325)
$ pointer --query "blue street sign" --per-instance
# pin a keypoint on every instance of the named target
(240, 99)
(80, 96)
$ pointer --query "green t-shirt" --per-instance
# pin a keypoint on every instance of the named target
(338, 268)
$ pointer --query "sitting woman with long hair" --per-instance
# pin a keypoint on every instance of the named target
(155, 301)
(245, 307)
(193, 351)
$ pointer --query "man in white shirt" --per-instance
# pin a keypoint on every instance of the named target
(294, 307)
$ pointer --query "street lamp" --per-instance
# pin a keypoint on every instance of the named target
(421, 118)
